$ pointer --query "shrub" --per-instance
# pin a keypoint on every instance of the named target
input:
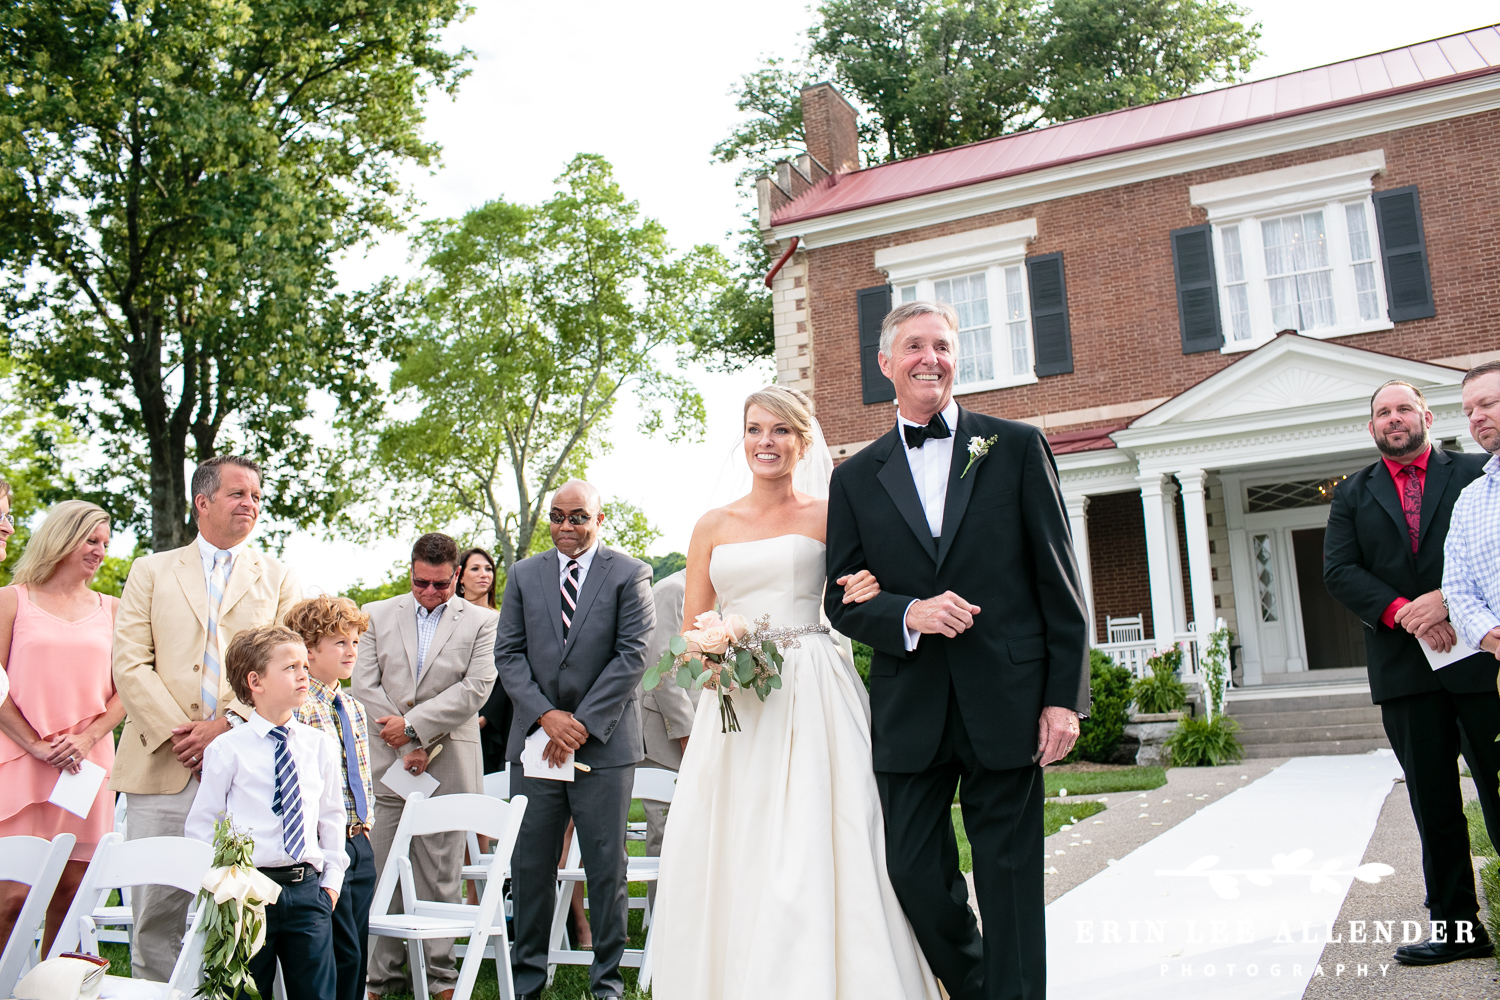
(1162, 691)
(1200, 741)
(862, 656)
(1101, 732)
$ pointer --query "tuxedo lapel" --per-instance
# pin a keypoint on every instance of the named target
(189, 573)
(895, 476)
(1439, 471)
(592, 584)
(960, 486)
(1383, 488)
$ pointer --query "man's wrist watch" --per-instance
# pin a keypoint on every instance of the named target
(233, 719)
(410, 732)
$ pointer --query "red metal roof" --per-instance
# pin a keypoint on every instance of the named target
(1093, 439)
(1427, 64)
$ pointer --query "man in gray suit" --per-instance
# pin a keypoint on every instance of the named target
(570, 651)
(667, 710)
(425, 667)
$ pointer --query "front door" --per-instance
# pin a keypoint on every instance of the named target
(1333, 635)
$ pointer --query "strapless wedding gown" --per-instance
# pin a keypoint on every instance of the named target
(773, 883)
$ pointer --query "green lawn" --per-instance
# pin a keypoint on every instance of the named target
(1479, 837)
(1125, 779)
(1055, 815)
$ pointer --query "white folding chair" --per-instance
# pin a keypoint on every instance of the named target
(117, 923)
(425, 920)
(170, 861)
(39, 864)
(496, 785)
(650, 783)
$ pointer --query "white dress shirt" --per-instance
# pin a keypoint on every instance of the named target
(930, 465)
(585, 560)
(239, 779)
(206, 552)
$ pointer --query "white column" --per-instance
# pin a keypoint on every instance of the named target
(1158, 559)
(1195, 520)
(1174, 555)
(1078, 519)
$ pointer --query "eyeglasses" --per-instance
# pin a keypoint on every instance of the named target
(10, 519)
(577, 520)
(442, 584)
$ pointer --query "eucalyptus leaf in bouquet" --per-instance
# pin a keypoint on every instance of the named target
(726, 653)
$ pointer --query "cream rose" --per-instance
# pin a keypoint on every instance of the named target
(713, 640)
(737, 627)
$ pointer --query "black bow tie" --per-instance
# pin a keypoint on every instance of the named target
(935, 429)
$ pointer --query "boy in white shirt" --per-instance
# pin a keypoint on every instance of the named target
(281, 782)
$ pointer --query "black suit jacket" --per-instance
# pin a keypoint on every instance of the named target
(1368, 563)
(1006, 547)
(595, 672)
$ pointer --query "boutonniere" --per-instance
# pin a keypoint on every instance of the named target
(978, 448)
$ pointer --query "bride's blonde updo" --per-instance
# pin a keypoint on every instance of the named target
(786, 404)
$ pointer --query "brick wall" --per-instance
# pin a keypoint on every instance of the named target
(1117, 559)
(1122, 294)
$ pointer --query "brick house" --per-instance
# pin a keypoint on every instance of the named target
(1131, 283)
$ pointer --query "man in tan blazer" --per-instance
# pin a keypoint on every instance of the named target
(170, 634)
(425, 668)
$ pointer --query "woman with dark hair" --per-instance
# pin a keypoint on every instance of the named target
(476, 578)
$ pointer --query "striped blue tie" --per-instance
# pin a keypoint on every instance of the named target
(288, 801)
(217, 580)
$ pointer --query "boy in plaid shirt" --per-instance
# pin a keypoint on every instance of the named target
(331, 627)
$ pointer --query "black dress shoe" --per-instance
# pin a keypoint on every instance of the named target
(1438, 952)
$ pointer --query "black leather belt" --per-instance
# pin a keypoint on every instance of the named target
(291, 874)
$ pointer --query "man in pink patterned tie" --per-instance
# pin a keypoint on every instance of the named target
(1383, 558)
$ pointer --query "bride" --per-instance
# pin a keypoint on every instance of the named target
(773, 880)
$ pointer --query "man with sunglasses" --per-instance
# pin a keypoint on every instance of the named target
(425, 668)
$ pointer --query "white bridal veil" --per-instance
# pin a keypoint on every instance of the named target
(811, 475)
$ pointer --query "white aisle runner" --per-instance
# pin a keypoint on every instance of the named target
(1236, 901)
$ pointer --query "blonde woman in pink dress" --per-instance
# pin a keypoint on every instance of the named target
(55, 640)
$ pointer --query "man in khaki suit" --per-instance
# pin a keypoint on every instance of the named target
(425, 668)
(179, 610)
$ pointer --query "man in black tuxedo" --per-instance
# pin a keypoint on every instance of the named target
(980, 669)
(1383, 558)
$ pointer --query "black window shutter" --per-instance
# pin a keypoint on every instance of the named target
(873, 304)
(1049, 315)
(1403, 248)
(1197, 290)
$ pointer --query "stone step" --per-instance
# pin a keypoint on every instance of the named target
(1313, 733)
(1308, 717)
(1299, 703)
(1318, 749)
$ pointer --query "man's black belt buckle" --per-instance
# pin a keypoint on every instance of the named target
(291, 874)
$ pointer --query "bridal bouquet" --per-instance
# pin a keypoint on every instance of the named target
(719, 653)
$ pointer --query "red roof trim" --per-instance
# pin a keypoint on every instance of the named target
(1385, 74)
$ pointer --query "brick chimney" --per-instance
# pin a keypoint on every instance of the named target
(832, 128)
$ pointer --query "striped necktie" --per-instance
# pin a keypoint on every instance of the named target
(352, 772)
(569, 595)
(218, 579)
(288, 801)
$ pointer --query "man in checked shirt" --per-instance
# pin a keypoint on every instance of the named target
(330, 628)
(1471, 576)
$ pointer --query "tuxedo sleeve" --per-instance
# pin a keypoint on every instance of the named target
(880, 622)
(511, 665)
(1055, 570)
(1344, 562)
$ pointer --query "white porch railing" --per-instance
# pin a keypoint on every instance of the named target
(1133, 655)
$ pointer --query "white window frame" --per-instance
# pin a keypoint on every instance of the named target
(1246, 202)
(914, 268)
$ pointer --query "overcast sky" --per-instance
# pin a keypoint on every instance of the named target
(647, 86)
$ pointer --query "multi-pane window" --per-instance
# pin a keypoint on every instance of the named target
(1235, 283)
(1362, 259)
(1316, 271)
(1297, 271)
(1015, 320)
(907, 293)
(970, 299)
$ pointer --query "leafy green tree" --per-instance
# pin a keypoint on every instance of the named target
(665, 566)
(627, 527)
(175, 181)
(527, 325)
(1100, 55)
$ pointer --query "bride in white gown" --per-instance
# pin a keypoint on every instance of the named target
(773, 883)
